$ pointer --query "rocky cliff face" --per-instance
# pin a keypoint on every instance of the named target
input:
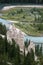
(18, 36)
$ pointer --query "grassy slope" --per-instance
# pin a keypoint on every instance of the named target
(28, 29)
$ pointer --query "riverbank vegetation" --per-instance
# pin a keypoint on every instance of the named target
(24, 14)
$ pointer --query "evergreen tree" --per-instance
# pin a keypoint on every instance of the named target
(3, 29)
(17, 58)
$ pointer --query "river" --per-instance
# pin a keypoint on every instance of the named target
(32, 38)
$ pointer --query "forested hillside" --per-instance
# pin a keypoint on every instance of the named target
(11, 54)
(22, 1)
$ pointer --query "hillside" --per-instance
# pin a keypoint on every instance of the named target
(29, 19)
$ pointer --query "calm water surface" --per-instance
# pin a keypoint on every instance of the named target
(34, 39)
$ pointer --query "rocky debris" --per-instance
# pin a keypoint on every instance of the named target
(3, 36)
